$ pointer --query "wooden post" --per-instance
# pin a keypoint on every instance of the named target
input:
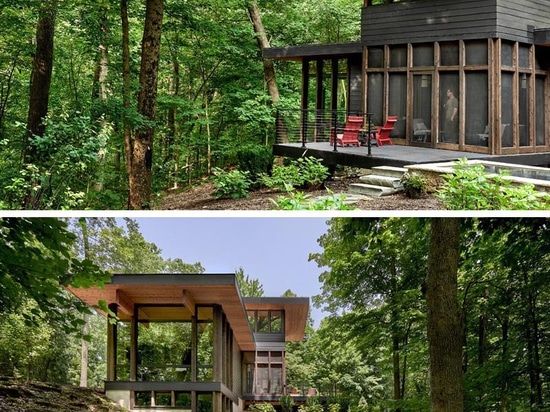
(111, 344)
(133, 344)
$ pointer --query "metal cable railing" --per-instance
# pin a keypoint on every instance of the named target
(310, 126)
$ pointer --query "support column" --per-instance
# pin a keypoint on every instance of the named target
(133, 345)
(111, 343)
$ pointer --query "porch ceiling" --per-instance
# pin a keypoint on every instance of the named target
(181, 289)
(296, 312)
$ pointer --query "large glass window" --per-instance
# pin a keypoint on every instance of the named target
(398, 103)
(266, 321)
(123, 351)
(476, 106)
(524, 60)
(164, 351)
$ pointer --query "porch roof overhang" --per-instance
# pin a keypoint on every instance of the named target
(314, 51)
(542, 37)
(188, 290)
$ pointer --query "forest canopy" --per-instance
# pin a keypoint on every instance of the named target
(95, 114)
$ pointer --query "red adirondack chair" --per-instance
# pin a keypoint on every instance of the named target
(383, 132)
(350, 137)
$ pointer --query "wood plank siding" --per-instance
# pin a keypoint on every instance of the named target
(444, 20)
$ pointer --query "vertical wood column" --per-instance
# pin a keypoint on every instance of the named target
(334, 85)
(319, 101)
(305, 83)
(111, 344)
(133, 345)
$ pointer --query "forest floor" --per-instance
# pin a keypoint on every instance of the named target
(16, 396)
(200, 197)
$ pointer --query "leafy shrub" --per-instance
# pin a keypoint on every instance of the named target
(283, 178)
(287, 403)
(233, 184)
(256, 160)
(471, 188)
(262, 407)
(304, 172)
(312, 171)
(300, 201)
(414, 184)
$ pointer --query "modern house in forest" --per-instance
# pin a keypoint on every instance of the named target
(189, 342)
(414, 56)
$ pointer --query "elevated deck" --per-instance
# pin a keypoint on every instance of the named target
(395, 155)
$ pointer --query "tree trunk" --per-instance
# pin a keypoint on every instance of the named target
(41, 78)
(444, 334)
(126, 84)
(140, 175)
(263, 43)
(85, 328)
(269, 68)
(533, 352)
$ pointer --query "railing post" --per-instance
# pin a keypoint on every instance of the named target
(304, 128)
(334, 123)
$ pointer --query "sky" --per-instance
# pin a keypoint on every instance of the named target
(273, 250)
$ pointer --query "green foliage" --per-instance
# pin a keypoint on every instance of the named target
(312, 171)
(287, 403)
(471, 188)
(256, 160)
(36, 265)
(233, 184)
(262, 407)
(303, 172)
(312, 405)
(283, 178)
(299, 201)
(414, 184)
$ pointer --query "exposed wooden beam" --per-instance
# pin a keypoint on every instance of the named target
(188, 301)
(124, 302)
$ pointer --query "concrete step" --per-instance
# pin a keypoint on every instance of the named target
(389, 171)
(371, 190)
(378, 180)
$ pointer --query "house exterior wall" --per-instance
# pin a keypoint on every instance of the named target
(442, 20)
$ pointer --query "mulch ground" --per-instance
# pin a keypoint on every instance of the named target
(200, 197)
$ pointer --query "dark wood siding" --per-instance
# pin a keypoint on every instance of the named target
(516, 20)
(442, 20)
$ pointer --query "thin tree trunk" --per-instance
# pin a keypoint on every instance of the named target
(86, 326)
(126, 85)
(269, 68)
(444, 334)
(41, 78)
(140, 175)
(533, 352)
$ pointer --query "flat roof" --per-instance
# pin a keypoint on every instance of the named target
(317, 51)
(189, 290)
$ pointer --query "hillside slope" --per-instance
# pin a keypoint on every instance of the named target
(16, 396)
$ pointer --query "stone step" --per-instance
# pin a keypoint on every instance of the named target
(378, 180)
(389, 171)
(371, 190)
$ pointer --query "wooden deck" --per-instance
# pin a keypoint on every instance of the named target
(395, 155)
